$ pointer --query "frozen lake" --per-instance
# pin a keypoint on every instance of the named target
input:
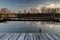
(25, 26)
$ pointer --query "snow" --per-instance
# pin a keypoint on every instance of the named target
(29, 36)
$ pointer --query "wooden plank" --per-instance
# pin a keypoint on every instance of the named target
(29, 36)
(22, 36)
(14, 37)
(4, 37)
(44, 37)
(36, 36)
(9, 36)
(48, 36)
(55, 36)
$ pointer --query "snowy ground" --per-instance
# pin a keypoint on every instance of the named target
(29, 36)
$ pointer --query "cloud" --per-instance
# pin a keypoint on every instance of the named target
(47, 5)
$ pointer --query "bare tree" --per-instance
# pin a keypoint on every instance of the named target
(19, 11)
(4, 10)
(25, 11)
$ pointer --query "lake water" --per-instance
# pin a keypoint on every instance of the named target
(29, 26)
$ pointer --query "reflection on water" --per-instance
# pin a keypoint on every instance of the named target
(31, 26)
(17, 27)
(47, 26)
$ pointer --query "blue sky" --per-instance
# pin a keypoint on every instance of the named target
(22, 4)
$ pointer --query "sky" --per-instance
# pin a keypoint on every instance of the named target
(22, 4)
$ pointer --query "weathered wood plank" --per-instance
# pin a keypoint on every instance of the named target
(14, 37)
(44, 37)
(4, 37)
(49, 37)
(55, 36)
(22, 36)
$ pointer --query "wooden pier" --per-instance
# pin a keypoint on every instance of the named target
(29, 36)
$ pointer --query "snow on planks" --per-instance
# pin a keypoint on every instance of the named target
(28, 36)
